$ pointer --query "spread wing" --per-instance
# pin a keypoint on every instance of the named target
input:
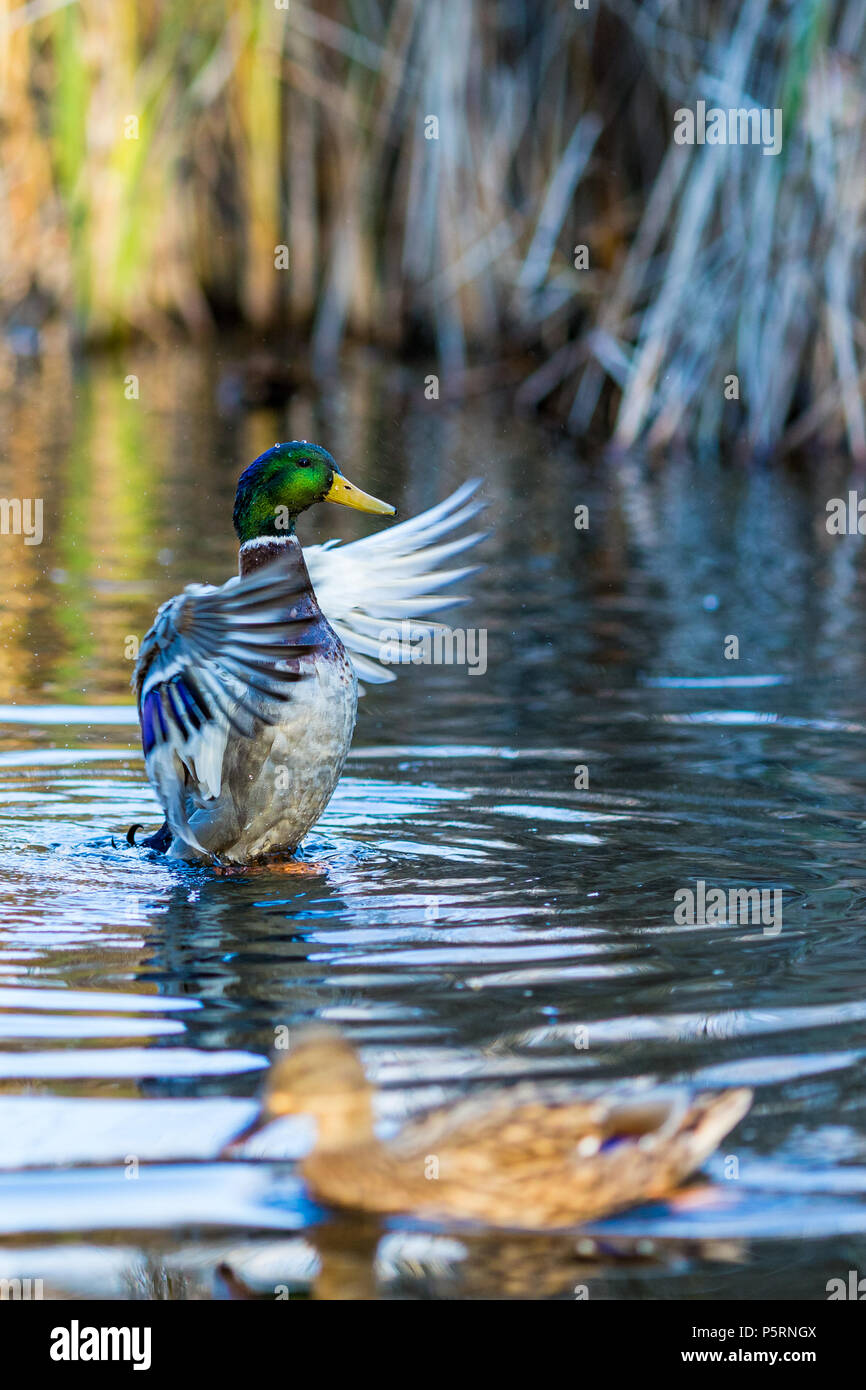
(378, 593)
(213, 660)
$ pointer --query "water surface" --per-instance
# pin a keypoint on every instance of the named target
(464, 910)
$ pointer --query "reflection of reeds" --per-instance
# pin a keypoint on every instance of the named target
(307, 127)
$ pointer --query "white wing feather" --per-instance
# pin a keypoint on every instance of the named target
(390, 578)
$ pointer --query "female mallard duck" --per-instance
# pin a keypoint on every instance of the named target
(247, 693)
(519, 1158)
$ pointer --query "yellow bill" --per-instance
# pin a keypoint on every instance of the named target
(351, 496)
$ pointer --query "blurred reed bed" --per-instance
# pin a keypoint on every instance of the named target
(153, 158)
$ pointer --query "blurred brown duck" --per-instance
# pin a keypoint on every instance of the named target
(519, 1158)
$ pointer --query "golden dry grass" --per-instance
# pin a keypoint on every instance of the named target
(154, 157)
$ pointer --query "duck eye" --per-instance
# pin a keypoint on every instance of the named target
(304, 463)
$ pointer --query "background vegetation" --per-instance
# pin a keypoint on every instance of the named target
(255, 126)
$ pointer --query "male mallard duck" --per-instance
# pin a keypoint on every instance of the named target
(247, 693)
(520, 1158)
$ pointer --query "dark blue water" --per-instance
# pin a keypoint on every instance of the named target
(464, 911)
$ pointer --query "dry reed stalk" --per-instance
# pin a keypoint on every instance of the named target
(307, 127)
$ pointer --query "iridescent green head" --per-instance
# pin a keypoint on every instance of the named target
(285, 480)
